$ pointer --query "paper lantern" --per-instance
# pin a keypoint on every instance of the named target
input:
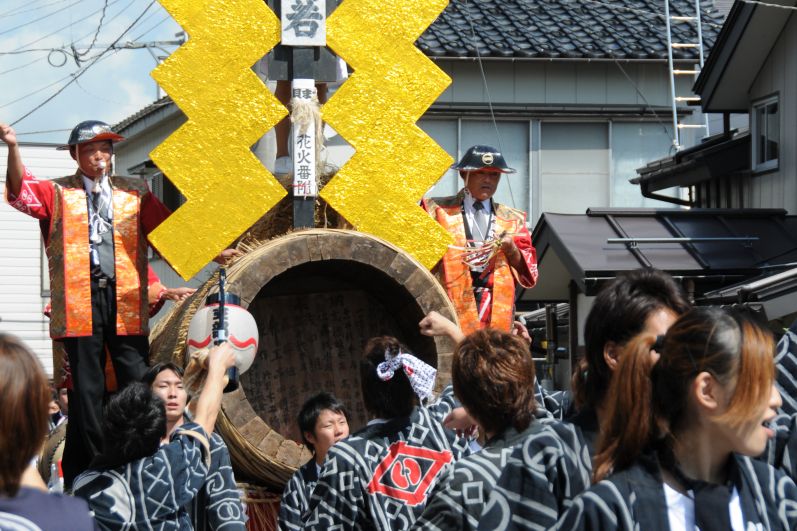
(241, 329)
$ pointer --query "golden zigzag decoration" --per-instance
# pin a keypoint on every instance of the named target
(228, 108)
(376, 111)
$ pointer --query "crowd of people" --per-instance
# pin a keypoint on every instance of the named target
(677, 424)
(674, 420)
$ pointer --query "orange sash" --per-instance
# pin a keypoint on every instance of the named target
(68, 257)
(456, 278)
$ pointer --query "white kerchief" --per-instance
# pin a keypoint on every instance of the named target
(420, 374)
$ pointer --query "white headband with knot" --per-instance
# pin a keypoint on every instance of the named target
(420, 374)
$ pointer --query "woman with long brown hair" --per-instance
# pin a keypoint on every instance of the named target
(550, 468)
(680, 429)
(24, 397)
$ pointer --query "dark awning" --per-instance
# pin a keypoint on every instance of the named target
(575, 247)
(718, 156)
(774, 290)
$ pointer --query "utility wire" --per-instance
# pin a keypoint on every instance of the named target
(42, 132)
(84, 69)
(487, 91)
(40, 18)
(30, 50)
(62, 50)
(14, 11)
(20, 67)
(63, 28)
(588, 25)
(79, 55)
(164, 19)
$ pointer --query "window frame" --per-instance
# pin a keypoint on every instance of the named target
(756, 127)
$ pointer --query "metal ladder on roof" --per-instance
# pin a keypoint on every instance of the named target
(678, 127)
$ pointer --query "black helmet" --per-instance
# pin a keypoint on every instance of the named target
(91, 131)
(478, 157)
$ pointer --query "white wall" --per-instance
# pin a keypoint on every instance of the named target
(22, 289)
(778, 75)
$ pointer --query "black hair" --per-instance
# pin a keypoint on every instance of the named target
(133, 426)
(311, 410)
(155, 370)
(385, 399)
(618, 314)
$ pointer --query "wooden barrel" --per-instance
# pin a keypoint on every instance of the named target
(317, 296)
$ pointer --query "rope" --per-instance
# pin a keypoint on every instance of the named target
(262, 507)
(303, 113)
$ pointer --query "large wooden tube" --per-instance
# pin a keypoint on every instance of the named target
(317, 296)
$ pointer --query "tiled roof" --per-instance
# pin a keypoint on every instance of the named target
(587, 29)
(143, 113)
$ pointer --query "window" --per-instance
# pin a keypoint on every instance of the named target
(766, 134)
(511, 137)
(574, 166)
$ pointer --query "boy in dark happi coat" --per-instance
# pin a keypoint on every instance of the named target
(217, 505)
(381, 477)
(675, 452)
(323, 421)
(138, 484)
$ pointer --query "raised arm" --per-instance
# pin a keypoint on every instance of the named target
(434, 324)
(220, 358)
(15, 168)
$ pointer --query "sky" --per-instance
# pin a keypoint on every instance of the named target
(39, 40)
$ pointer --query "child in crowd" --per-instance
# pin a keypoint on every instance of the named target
(323, 421)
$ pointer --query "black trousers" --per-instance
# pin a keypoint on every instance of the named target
(87, 356)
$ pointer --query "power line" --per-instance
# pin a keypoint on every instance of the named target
(14, 11)
(96, 34)
(84, 69)
(164, 19)
(42, 89)
(22, 66)
(588, 26)
(40, 18)
(42, 132)
(62, 50)
(30, 50)
(63, 28)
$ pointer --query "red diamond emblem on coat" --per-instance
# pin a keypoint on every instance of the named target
(407, 472)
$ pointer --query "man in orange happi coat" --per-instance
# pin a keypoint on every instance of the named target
(481, 283)
(95, 228)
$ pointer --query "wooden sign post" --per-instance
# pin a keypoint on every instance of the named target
(302, 58)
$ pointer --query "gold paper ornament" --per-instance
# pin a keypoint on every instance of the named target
(376, 111)
(228, 108)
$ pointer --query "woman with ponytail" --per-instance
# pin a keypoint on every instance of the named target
(381, 476)
(680, 428)
(544, 474)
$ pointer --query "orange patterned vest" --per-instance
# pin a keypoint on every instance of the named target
(68, 257)
(455, 274)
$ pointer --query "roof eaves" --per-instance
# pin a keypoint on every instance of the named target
(731, 34)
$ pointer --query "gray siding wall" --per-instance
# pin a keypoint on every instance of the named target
(560, 83)
(779, 76)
